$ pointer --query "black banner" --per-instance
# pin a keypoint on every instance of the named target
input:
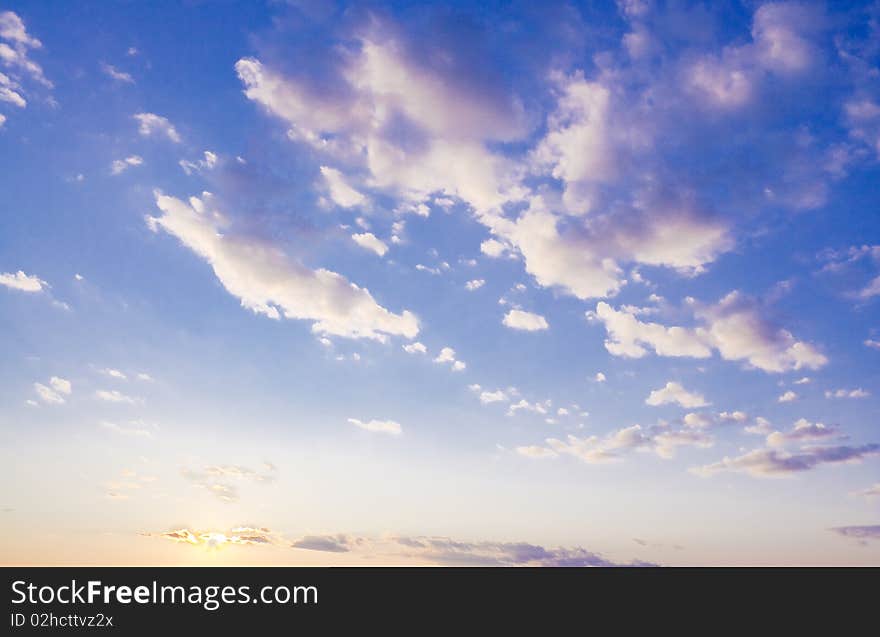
(133, 601)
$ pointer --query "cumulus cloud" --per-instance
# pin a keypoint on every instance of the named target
(764, 463)
(787, 397)
(150, 124)
(268, 282)
(474, 284)
(447, 355)
(378, 426)
(673, 392)
(526, 321)
(415, 348)
(368, 241)
(734, 327)
(22, 282)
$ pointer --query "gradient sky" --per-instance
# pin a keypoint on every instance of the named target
(458, 283)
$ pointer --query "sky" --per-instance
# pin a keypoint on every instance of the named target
(311, 283)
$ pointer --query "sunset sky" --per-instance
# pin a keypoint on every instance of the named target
(440, 283)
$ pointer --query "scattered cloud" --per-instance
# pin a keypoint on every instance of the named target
(734, 327)
(136, 429)
(378, 426)
(368, 241)
(115, 74)
(22, 282)
(526, 321)
(847, 393)
(209, 161)
(415, 348)
(787, 397)
(803, 431)
(341, 192)
(150, 124)
(673, 392)
(121, 165)
(447, 355)
(474, 284)
(268, 282)
(55, 392)
(115, 396)
(222, 481)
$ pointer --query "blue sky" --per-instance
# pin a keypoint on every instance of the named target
(317, 283)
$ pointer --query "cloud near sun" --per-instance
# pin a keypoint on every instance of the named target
(392, 249)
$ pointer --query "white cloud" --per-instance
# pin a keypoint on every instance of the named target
(14, 50)
(661, 440)
(114, 396)
(378, 426)
(492, 248)
(787, 397)
(497, 396)
(415, 348)
(734, 327)
(806, 380)
(115, 74)
(599, 377)
(522, 320)
(873, 344)
(447, 355)
(121, 165)
(209, 160)
(629, 337)
(674, 393)
(144, 377)
(341, 193)
(60, 387)
(267, 282)
(474, 284)
(23, 282)
(368, 241)
(114, 373)
(847, 393)
(803, 431)
(150, 124)
(9, 92)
